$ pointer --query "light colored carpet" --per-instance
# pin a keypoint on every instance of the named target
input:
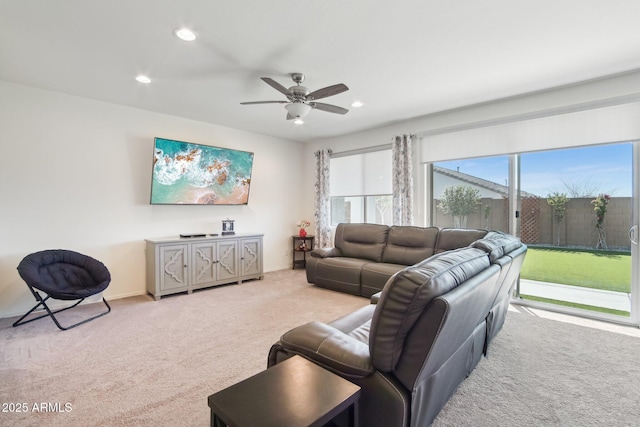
(151, 363)
(545, 369)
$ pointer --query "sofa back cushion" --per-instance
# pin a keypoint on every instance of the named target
(455, 238)
(497, 244)
(408, 245)
(364, 241)
(408, 294)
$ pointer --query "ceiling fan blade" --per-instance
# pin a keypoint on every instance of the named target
(264, 102)
(277, 86)
(327, 91)
(329, 108)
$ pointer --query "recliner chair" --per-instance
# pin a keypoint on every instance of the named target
(63, 275)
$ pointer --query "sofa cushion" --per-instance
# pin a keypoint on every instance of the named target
(408, 245)
(497, 244)
(339, 273)
(364, 241)
(454, 238)
(344, 351)
(356, 324)
(374, 276)
(407, 294)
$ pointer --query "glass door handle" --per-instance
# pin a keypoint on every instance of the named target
(633, 234)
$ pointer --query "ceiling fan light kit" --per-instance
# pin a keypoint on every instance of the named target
(300, 100)
(298, 109)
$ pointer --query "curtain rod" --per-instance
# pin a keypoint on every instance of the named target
(361, 151)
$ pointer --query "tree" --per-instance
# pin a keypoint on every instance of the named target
(459, 202)
(577, 189)
(487, 214)
(383, 203)
(558, 201)
(600, 206)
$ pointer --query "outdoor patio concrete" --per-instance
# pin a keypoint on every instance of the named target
(576, 294)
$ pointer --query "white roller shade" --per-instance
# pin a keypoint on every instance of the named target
(615, 123)
(362, 174)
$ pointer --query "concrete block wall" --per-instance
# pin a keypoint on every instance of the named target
(577, 229)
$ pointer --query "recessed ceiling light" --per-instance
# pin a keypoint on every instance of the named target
(298, 121)
(357, 104)
(185, 34)
(143, 79)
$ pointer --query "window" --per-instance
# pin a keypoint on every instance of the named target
(361, 188)
(574, 144)
(471, 193)
(580, 259)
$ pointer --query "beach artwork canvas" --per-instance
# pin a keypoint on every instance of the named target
(193, 174)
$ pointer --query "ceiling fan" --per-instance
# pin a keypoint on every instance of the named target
(300, 101)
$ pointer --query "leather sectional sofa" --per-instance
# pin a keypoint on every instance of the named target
(428, 328)
(365, 256)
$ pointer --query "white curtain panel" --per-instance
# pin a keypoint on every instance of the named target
(322, 204)
(402, 180)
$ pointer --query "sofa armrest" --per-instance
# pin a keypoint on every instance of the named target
(326, 252)
(375, 297)
(329, 347)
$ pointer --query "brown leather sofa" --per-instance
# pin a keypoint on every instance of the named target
(365, 256)
(428, 330)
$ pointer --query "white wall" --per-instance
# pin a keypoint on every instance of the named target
(76, 174)
(545, 101)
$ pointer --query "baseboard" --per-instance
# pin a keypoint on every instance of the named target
(98, 297)
(126, 295)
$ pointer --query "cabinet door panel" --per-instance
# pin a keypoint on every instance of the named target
(173, 264)
(203, 263)
(227, 264)
(250, 257)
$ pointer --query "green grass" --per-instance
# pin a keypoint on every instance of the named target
(606, 270)
(575, 305)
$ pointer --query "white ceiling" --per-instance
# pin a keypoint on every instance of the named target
(403, 59)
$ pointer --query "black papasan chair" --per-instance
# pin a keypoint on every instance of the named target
(62, 275)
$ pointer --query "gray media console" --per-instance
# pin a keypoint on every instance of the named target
(183, 264)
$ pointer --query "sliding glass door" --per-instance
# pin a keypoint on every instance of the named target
(576, 209)
(472, 193)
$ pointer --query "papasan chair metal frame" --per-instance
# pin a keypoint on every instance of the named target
(63, 275)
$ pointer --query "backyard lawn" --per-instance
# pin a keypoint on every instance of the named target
(588, 268)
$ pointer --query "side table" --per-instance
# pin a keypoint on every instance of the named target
(293, 393)
(301, 245)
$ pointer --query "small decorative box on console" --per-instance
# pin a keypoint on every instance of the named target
(227, 227)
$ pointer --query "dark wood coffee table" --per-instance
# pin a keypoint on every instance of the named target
(293, 393)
